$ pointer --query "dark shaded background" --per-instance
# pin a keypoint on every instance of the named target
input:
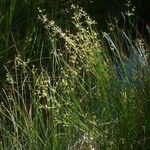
(101, 9)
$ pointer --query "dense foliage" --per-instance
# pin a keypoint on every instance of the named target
(68, 82)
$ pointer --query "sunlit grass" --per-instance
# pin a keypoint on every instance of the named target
(62, 90)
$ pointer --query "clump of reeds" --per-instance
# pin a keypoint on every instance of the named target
(74, 98)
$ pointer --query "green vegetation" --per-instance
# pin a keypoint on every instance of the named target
(59, 85)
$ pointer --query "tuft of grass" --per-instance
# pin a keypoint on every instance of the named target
(63, 91)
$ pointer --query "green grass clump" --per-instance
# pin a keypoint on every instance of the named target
(61, 89)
